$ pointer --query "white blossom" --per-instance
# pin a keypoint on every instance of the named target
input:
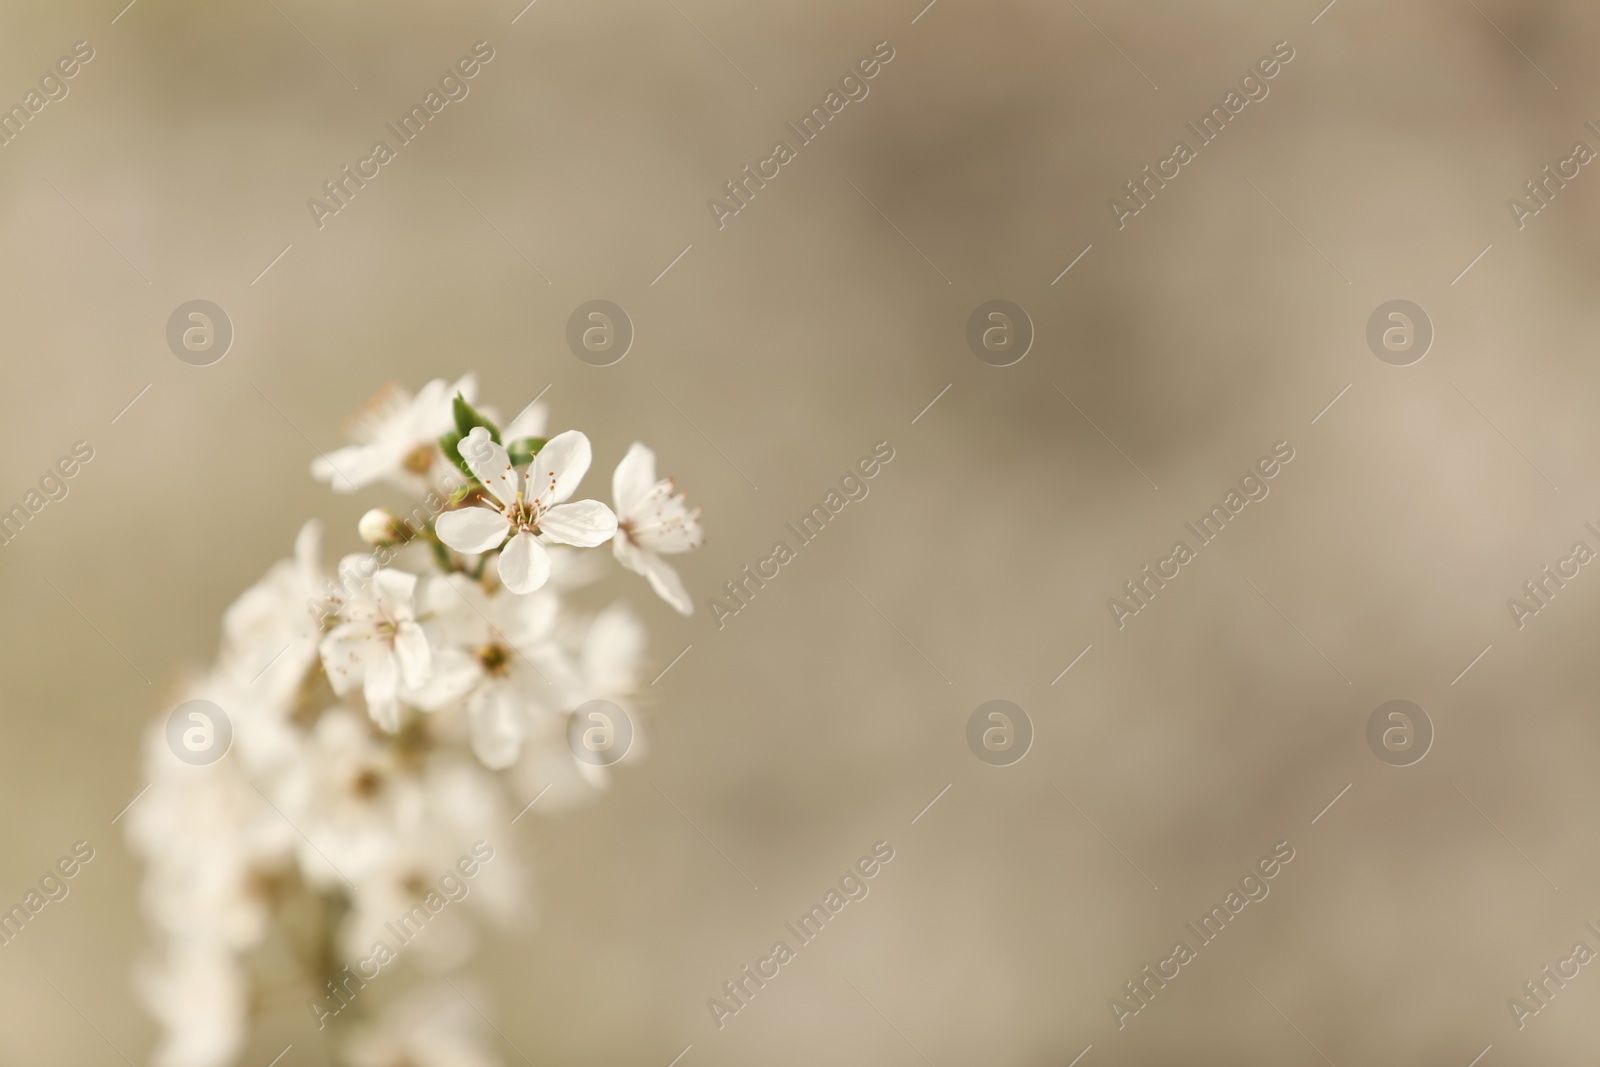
(488, 652)
(652, 520)
(334, 814)
(397, 438)
(529, 511)
(378, 645)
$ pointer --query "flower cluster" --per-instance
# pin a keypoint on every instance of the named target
(387, 715)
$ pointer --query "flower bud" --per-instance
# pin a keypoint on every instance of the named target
(379, 527)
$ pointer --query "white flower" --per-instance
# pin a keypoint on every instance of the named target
(350, 800)
(604, 665)
(461, 805)
(531, 512)
(397, 438)
(488, 650)
(269, 634)
(209, 841)
(379, 645)
(652, 520)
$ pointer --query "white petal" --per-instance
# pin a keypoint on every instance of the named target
(524, 564)
(353, 467)
(584, 523)
(380, 687)
(661, 521)
(559, 467)
(665, 581)
(612, 651)
(308, 553)
(455, 672)
(531, 619)
(530, 422)
(472, 529)
(394, 591)
(488, 459)
(342, 653)
(432, 411)
(411, 650)
(633, 478)
(498, 725)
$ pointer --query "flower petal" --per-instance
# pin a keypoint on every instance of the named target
(632, 479)
(472, 529)
(661, 576)
(394, 591)
(524, 564)
(611, 653)
(498, 725)
(584, 523)
(455, 672)
(661, 521)
(530, 422)
(489, 461)
(380, 687)
(342, 651)
(308, 554)
(412, 653)
(559, 467)
(354, 467)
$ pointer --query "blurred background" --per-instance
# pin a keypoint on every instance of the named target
(769, 356)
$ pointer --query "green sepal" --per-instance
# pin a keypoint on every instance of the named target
(466, 418)
(524, 449)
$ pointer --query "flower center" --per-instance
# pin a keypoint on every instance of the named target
(495, 659)
(367, 783)
(419, 459)
(524, 514)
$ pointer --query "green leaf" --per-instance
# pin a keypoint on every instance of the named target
(447, 444)
(524, 449)
(467, 418)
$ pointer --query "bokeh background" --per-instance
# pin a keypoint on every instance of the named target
(774, 353)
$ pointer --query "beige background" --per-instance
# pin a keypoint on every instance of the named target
(795, 338)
